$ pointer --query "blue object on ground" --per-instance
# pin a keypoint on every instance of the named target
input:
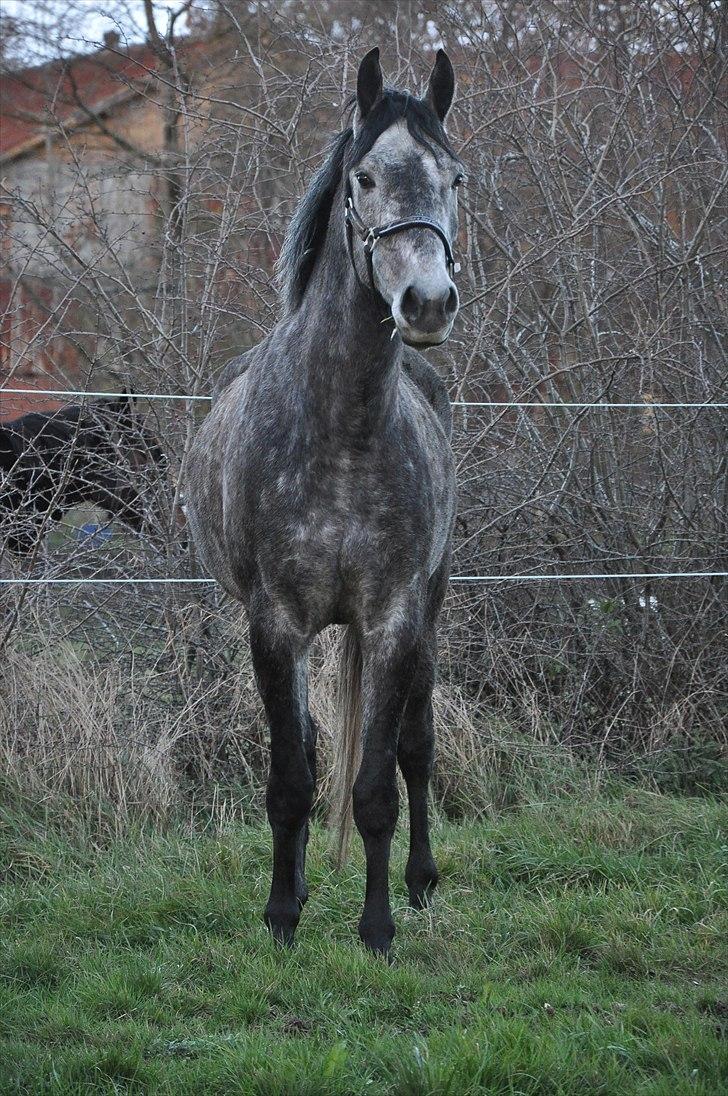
(93, 535)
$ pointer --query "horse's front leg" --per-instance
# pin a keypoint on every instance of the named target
(281, 671)
(417, 747)
(415, 754)
(388, 670)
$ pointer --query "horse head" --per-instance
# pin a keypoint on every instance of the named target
(402, 179)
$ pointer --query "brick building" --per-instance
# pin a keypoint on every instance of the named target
(75, 135)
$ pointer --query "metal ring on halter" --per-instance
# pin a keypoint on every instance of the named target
(369, 237)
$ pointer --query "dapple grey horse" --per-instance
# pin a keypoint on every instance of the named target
(321, 487)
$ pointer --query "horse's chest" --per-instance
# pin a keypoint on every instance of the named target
(337, 507)
(338, 526)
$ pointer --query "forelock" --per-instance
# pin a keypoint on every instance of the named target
(423, 125)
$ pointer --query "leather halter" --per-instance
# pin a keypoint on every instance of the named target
(369, 237)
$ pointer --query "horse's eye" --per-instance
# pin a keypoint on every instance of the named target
(458, 181)
(365, 181)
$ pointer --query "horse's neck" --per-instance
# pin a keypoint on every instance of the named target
(349, 364)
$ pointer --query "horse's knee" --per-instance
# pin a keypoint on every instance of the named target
(416, 748)
(289, 801)
(376, 806)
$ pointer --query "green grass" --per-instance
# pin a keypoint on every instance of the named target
(574, 948)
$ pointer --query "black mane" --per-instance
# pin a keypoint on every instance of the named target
(307, 229)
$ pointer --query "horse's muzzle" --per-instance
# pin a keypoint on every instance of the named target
(425, 318)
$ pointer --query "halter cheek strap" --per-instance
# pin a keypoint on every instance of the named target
(369, 237)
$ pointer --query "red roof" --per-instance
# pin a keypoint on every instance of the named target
(30, 98)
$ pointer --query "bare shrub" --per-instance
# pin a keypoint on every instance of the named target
(594, 245)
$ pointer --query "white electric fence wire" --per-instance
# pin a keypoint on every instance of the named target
(453, 578)
(644, 405)
(107, 395)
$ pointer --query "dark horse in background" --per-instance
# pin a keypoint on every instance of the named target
(95, 455)
(322, 491)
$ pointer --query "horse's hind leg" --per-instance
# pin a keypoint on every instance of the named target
(386, 679)
(310, 749)
(416, 747)
(281, 672)
(415, 752)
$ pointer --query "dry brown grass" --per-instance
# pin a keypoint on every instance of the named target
(68, 734)
(106, 741)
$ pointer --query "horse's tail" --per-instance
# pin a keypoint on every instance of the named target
(347, 749)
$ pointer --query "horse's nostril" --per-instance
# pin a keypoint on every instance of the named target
(428, 311)
(451, 304)
(411, 304)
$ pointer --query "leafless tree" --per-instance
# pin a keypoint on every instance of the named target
(140, 243)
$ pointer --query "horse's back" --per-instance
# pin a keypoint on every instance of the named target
(209, 461)
(229, 372)
(8, 454)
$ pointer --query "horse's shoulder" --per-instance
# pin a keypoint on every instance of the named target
(430, 383)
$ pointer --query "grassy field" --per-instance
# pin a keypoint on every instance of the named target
(575, 947)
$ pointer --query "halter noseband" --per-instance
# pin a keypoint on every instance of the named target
(369, 237)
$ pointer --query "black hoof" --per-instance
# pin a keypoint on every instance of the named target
(282, 921)
(421, 886)
(378, 937)
(422, 897)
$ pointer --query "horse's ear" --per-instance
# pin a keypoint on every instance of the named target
(441, 85)
(369, 84)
